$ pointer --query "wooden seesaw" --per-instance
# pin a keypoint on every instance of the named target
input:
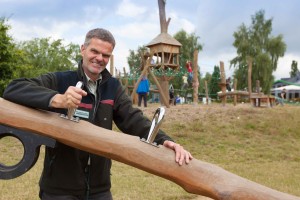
(198, 177)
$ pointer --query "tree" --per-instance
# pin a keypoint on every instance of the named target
(42, 55)
(265, 50)
(213, 86)
(189, 45)
(207, 77)
(6, 55)
(135, 61)
(294, 69)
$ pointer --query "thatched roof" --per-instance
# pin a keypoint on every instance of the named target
(164, 38)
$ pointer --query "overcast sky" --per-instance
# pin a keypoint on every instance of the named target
(136, 22)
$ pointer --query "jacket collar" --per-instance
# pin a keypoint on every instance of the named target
(105, 73)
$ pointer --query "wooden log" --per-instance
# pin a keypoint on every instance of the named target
(249, 63)
(206, 92)
(195, 78)
(242, 93)
(161, 91)
(112, 65)
(235, 96)
(198, 177)
(223, 82)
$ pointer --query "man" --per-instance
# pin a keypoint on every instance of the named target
(71, 173)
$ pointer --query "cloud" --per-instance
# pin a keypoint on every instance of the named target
(177, 23)
(49, 28)
(129, 9)
(284, 66)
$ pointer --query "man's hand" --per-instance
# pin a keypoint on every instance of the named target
(181, 154)
(70, 99)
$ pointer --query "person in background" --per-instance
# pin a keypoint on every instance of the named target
(172, 97)
(185, 83)
(189, 68)
(228, 84)
(142, 91)
(70, 173)
(282, 95)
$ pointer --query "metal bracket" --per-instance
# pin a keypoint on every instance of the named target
(31, 143)
(72, 118)
(156, 122)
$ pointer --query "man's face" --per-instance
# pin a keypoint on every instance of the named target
(95, 57)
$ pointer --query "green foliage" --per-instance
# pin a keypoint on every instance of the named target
(6, 55)
(42, 55)
(206, 78)
(213, 87)
(265, 50)
(135, 61)
(189, 45)
(294, 69)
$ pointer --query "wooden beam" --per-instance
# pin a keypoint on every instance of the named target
(235, 96)
(112, 65)
(161, 91)
(249, 62)
(223, 82)
(195, 78)
(198, 177)
(242, 93)
(206, 93)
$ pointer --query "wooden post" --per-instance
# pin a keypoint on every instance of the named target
(164, 84)
(112, 65)
(126, 81)
(134, 95)
(116, 72)
(223, 82)
(161, 92)
(235, 96)
(258, 87)
(206, 92)
(249, 62)
(195, 78)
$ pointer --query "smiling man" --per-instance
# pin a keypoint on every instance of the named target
(69, 173)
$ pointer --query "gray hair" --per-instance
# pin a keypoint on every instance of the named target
(101, 34)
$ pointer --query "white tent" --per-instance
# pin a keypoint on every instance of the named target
(287, 87)
(292, 91)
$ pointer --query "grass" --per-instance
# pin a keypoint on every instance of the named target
(260, 144)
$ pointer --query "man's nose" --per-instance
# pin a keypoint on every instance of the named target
(99, 57)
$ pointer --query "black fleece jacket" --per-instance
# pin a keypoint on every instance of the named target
(65, 168)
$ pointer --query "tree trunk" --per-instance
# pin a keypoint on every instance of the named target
(162, 16)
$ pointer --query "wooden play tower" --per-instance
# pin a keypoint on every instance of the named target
(163, 54)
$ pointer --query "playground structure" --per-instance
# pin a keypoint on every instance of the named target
(163, 55)
(256, 98)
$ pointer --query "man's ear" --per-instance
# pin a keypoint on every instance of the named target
(82, 49)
